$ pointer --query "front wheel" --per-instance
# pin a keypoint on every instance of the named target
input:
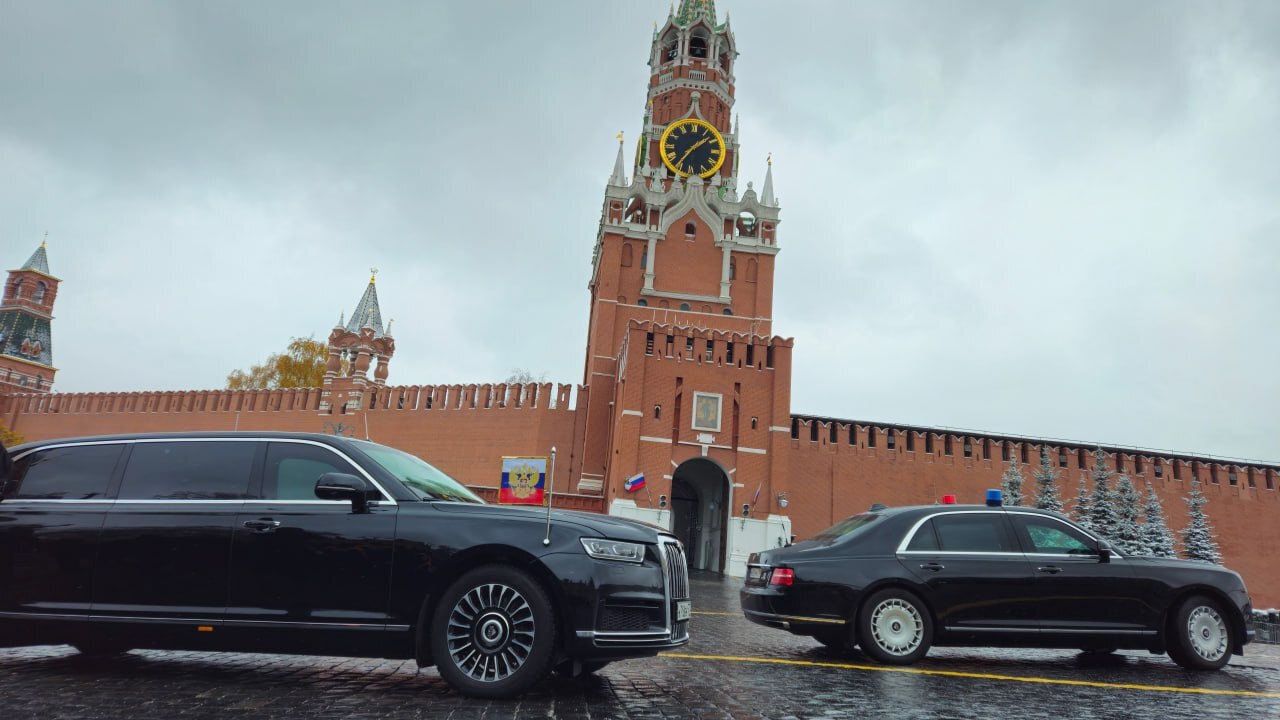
(1200, 635)
(493, 633)
(894, 627)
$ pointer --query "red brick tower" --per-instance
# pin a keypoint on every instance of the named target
(26, 351)
(355, 346)
(683, 381)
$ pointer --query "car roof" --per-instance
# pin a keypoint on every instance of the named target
(217, 435)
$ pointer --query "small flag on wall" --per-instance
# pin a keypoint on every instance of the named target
(523, 481)
(633, 483)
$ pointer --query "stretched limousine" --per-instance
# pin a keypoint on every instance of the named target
(317, 544)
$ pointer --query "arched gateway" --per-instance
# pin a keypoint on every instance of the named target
(700, 512)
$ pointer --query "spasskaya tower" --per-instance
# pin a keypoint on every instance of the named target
(684, 382)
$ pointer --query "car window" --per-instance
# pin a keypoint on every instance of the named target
(971, 532)
(293, 468)
(419, 476)
(924, 539)
(847, 527)
(68, 473)
(1048, 536)
(213, 470)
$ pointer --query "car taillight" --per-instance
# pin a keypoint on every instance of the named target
(782, 576)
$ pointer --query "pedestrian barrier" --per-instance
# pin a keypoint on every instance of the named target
(1267, 627)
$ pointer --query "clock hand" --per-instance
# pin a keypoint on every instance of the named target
(695, 146)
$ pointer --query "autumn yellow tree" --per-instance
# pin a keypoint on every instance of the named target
(300, 365)
(9, 437)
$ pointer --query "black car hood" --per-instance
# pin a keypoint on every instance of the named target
(594, 523)
(1150, 561)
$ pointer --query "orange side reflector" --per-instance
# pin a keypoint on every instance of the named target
(204, 628)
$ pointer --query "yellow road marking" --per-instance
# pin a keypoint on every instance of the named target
(979, 676)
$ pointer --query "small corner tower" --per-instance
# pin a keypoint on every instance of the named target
(354, 346)
(26, 313)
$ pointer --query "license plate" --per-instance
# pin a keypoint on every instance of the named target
(684, 608)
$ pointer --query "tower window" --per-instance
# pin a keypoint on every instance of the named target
(751, 354)
(648, 342)
(1137, 465)
(831, 433)
(755, 423)
(728, 311)
(986, 448)
(1231, 477)
(813, 431)
(688, 342)
(684, 307)
(871, 437)
(1157, 467)
(1004, 451)
(711, 349)
(698, 46)
(1080, 461)
(911, 441)
(891, 442)
(968, 447)
(733, 268)
(1177, 470)
(728, 353)
(642, 302)
(946, 445)
(39, 293)
(690, 229)
(657, 412)
(1023, 453)
(1119, 462)
(628, 255)
(768, 355)
(1062, 458)
(928, 443)
(795, 429)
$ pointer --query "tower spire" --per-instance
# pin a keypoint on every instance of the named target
(38, 261)
(367, 312)
(766, 195)
(619, 176)
(691, 10)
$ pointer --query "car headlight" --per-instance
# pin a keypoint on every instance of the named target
(602, 549)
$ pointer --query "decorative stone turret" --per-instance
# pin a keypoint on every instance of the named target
(355, 346)
(26, 315)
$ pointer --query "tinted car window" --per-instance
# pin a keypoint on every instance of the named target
(293, 468)
(217, 470)
(70, 473)
(978, 532)
(1047, 536)
(924, 539)
(847, 527)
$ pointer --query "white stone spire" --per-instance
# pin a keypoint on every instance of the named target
(766, 195)
(619, 176)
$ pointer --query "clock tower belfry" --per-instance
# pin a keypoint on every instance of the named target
(683, 380)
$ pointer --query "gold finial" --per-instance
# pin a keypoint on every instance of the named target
(769, 159)
(46, 238)
(619, 136)
(373, 277)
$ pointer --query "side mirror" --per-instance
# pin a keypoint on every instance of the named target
(1104, 551)
(342, 486)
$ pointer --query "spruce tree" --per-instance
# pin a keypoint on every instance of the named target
(1155, 534)
(1102, 508)
(1198, 538)
(1128, 534)
(1011, 483)
(1046, 475)
(1080, 509)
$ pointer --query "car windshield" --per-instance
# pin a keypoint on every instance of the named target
(846, 527)
(420, 476)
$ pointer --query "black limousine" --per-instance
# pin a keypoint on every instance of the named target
(317, 544)
(894, 581)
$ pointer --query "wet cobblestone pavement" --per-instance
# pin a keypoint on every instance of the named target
(738, 670)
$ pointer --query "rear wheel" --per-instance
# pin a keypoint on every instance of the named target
(1199, 635)
(894, 627)
(493, 632)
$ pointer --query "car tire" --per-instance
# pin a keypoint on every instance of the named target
(493, 633)
(895, 627)
(1199, 634)
(837, 639)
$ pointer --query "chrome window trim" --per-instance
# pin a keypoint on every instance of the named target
(387, 498)
(797, 618)
(907, 538)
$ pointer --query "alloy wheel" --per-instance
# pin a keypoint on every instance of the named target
(896, 626)
(1207, 632)
(491, 632)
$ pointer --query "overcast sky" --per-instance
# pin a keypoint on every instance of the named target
(1056, 219)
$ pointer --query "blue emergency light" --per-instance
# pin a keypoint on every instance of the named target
(995, 498)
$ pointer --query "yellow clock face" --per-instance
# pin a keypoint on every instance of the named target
(692, 147)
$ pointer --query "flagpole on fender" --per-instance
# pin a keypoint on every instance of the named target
(551, 491)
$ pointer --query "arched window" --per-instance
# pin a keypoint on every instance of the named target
(628, 255)
(38, 296)
(690, 229)
(642, 302)
(733, 268)
(751, 270)
(684, 307)
(17, 289)
(728, 311)
(698, 46)
(644, 260)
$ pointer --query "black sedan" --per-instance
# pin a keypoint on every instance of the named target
(895, 581)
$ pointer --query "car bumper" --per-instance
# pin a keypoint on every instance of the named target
(773, 608)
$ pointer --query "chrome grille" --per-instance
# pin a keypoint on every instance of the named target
(677, 577)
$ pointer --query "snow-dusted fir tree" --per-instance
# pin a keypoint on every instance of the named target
(1155, 534)
(1198, 538)
(1080, 508)
(1046, 475)
(1011, 483)
(1128, 535)
(1102, 506)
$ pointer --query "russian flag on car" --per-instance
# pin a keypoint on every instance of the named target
(523, 481)
(633, 483)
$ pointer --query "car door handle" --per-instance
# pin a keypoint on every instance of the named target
(1051, 569)
(264, 525)
(932, 567)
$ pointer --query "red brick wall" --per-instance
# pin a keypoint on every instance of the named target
(830, 481)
